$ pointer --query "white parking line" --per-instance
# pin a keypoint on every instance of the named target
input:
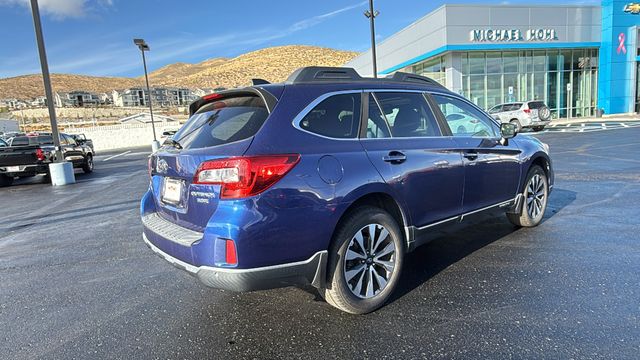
(138, 153)
(115, 156)
(624, 125)
(604, 126)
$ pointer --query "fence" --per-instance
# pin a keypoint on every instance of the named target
(121, 136)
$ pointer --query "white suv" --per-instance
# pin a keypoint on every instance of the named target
(528, 114)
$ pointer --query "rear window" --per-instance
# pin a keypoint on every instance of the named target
(222, 122)
(32, 140)
(536, 105)
(337, 116)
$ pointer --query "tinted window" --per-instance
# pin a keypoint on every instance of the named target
(20, 141)
(337, 116)
(464, 119)
(222, 122)
(376, 124)
(68, 139)
(513, 107)
(536, 105)
(408, 114)
(498, 108)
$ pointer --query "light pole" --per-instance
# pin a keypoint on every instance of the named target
(61, 172)
(142, 45)
(371, 15)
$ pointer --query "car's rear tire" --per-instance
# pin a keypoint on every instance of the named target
(517, 124)
(6, 180)
(361, 273)
(535, 199)
(538, 128)
(87, 167)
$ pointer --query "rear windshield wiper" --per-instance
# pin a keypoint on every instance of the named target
(173, 143)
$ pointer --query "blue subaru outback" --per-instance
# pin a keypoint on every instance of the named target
(330, 179)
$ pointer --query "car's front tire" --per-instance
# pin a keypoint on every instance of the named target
(517, 124)
(365, 261)
(87, 167)
(535, 199)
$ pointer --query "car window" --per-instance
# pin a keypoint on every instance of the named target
(408, 114)
(376, 124)
(222, 122)
(536, 105)
(337, 116)
(68, 139)
(463, 119)
(497, 109)
(513, 107)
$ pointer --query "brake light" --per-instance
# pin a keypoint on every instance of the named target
(245, 176)
(39, 154)
(527, 111)
(211, 96)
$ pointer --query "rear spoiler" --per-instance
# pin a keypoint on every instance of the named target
(269, 100)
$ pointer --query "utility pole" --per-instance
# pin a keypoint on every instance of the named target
(60, 171)
(142, 45)
(371, 14)
(47, 80)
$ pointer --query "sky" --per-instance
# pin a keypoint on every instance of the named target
(94, 37)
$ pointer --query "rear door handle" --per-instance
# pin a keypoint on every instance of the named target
(471, 155)
(395, 157)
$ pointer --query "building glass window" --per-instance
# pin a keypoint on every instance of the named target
(565, 79)
(433, 68)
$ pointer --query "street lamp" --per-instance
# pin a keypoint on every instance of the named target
(60, 171)
(142, 45)
(371, 15)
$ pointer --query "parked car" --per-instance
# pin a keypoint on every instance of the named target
(528, 114)
(81, 139)
(329, 179)
(30, 155)
(3, 143)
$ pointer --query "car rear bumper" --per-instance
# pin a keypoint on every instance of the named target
(310, 271)
(25, 170)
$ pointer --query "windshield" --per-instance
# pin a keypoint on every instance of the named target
(223, 121)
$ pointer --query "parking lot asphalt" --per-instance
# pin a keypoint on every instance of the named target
(78, 282)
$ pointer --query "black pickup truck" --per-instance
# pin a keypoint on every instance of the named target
(31, 155)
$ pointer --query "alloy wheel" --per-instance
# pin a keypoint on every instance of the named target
(369, 261)
(536, 196)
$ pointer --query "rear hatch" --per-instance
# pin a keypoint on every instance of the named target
(223, 126)
(19, 155)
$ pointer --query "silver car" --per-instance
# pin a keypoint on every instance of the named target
(528, 114)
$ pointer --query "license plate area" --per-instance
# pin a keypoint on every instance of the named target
(172, 190)
(14, 169)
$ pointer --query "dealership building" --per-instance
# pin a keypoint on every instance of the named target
(575, 58)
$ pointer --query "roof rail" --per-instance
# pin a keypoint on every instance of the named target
(259, 82)
(311, 74)
(413, 78)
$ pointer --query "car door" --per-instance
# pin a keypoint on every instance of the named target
(405, 142)
(72, 152)
(492, 170)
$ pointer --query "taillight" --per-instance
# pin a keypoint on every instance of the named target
(527, 111)
(39, 154)
(245, 176)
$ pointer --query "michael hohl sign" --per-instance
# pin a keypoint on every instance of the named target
(491, 35)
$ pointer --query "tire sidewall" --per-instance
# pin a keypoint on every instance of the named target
(525, 213)
(336, 278)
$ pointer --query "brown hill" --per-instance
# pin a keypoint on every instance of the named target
(30, 86)
(273, 64)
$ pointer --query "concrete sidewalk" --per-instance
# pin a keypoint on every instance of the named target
(604, 118)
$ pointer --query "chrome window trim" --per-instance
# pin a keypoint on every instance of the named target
(298, 118)
(307, 109)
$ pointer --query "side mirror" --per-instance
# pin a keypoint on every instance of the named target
(508, 130)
